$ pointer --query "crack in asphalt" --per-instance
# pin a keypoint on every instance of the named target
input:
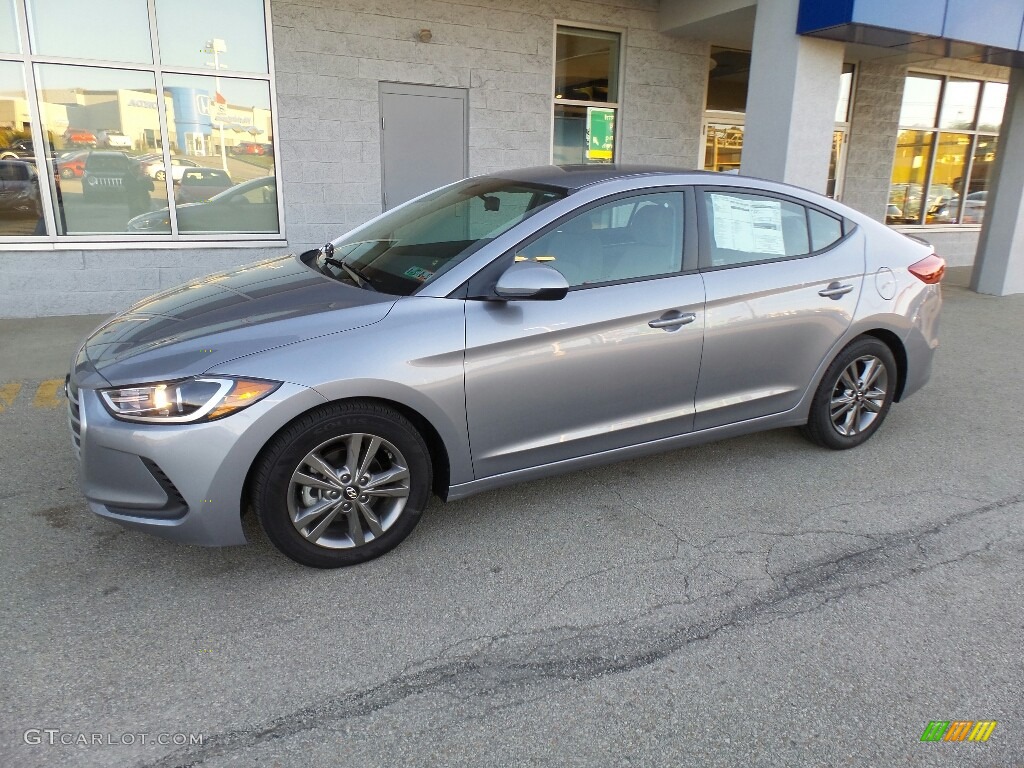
(580, 653)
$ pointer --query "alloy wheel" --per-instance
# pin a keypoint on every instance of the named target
(348, 491)
(859, 395)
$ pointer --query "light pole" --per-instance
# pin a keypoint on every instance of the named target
(216, 46)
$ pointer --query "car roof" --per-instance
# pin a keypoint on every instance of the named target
(573, 177)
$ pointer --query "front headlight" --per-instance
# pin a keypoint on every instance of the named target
(203, 398)
(149, 221)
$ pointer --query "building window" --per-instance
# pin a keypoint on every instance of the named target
(945, 150)
(96, 138)
(586, 98)
(725, 116)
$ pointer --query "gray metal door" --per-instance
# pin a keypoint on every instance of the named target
(423, 139)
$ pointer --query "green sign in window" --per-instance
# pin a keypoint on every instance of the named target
(600, 133)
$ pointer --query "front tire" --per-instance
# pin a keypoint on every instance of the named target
(342, 485)
(854, 395)
(161, 175)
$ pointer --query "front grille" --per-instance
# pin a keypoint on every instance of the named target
(74, 417)
(108, 181)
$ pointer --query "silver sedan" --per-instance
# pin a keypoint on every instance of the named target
(499, 329)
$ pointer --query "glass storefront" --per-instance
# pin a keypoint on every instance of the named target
(945, 150)
(133, 149)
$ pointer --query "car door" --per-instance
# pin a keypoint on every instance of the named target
(613, 363)
(783, 279)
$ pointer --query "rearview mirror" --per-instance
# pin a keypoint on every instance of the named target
(528, 280)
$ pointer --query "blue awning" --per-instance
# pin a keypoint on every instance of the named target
(990, 31)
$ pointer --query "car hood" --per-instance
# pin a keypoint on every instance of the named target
(190, 329)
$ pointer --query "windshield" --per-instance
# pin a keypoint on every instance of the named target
(408, 247)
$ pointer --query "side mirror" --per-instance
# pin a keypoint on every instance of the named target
(528, 280)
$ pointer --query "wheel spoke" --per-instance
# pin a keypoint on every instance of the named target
(843, 409)
(355, 446)
(849, 424)
(307, 514)
(870, 373)
(871, 405)
(385, 477)
(848, 380)
(398, 492)
(879, 369)
(317, 532)
(315, 461)
(355, 528)
(314, 482)
(370, 518)
(371, 451)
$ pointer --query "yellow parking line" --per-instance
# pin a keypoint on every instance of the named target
(50, 394)
(8, 392)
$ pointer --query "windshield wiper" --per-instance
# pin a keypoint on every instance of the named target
(357, 277)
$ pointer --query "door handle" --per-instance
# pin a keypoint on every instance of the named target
(835, 291)
(673, 322)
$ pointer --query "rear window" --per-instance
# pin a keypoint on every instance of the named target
(211, 178)
(13, 171)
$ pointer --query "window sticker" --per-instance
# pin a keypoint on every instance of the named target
(418, 273)
(752, 226)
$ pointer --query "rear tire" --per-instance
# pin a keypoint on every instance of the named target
(342, 485)
(854, 395)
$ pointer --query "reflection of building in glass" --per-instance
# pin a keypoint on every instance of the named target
(15, 116)
(134, 113)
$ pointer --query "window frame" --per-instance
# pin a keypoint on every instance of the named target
(481, 285)
(935, 132)
(619, 90)
(704, 226)
(27, 59)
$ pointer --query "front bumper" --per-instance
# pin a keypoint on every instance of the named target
(179, 481)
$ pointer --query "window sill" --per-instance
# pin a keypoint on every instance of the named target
(912, 228)
(135, 245)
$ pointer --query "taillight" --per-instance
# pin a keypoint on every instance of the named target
(929, 269)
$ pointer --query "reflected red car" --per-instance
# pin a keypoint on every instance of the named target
(80, 137)
(72, 166)
(250, 148)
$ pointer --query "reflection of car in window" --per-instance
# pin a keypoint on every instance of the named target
(18, 150)
(114, 175)
(200, 184)
(247, 207)
(252, 148)
(114, 139)
(79, 137)
(156, 168)
(71, 165)
(19, 187)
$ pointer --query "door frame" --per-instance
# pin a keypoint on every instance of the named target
(415, 89)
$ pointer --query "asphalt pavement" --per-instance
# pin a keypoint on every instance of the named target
(755, 602)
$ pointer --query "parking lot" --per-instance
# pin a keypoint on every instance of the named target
(755, 602)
